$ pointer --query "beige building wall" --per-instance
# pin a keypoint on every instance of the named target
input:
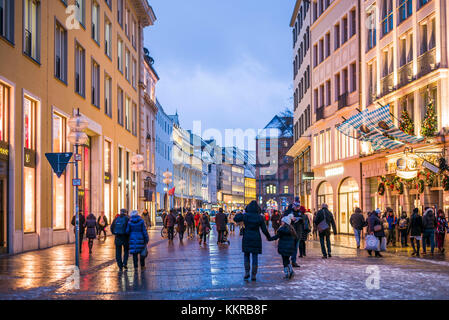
(35, 79)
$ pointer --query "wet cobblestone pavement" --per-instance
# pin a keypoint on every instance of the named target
(188, 271)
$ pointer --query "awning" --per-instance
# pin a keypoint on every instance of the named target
(301, 144)
(378, 128)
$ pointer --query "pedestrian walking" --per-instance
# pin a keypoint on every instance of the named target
(357, 222)
(376, 228)
(170, 222)
(121, 241)
(180, 226)
(415, 229)
(304, 232)
(91, 230)
(146, 218)
(197, 218)
(286, 245)
(315, 228)
(275, 220)
(231, 222)
(310, 217)
(392, 222)
(324, 220)
(190, 221)
(442, 228)
(267, 219)
(163, 216)
(138, 239)
(102, 223)
(297, 224)
(221, 221)
(82, 226)
(203, 228)
(252, 241)
(403, 224)
(429, 223)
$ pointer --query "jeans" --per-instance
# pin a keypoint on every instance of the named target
(232, 227)
(190, 229)
(296, 251)
(136, 258)
(391, 236)
(403, 237)
(181, 235)
(429, 234)
(325, 235)
(302, 248)
(121, 242)
(254, 259)
(357, 234)
(100, 230)
(203, 237)
(171, 231)
(221, 236)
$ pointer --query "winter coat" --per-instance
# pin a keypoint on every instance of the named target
(429, 221)
(252, 241)
(373, 220)
(220, 221)
(91, 226)
(180, 223)
(325, 214)
(203, 224)
(287, 238)
(170, 220)
(82, 223)
(298, 224)
(276, 220)
(146, 219)
(441, 225)
(357, 221)
(138, 235)
(190, 220)
(392, 222)
(416, 226)
(197, 218)
(105, 221)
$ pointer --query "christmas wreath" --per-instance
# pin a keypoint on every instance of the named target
(399, 187)
(446, 183)
(381, 189)
(420, 186)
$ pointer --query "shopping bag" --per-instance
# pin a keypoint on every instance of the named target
(371, 243)
(383, 244)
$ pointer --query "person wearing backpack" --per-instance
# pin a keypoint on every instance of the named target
(324, 220)
(357, 222)
(118, 228)
(403, 228)
(286, 245)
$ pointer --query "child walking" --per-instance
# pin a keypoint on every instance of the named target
(286, 246)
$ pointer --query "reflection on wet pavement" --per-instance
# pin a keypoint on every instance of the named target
(190, 271)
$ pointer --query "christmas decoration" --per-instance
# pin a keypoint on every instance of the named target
(420, 186)
(446, 183)
(381, 189)
(399, 186)
(430, 123)
(406, 123)
(442, 164)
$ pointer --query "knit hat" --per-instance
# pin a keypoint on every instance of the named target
(134, 213)
(287, 219)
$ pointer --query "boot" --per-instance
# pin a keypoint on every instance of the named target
(247, 269)
(253, 273)
(287, 272)
(291, 272)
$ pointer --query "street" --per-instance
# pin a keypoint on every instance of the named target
(189, 271)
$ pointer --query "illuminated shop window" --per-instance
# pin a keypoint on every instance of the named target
(29, 170)
(59, 185)
(107, 180)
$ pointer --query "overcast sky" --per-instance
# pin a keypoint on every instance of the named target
(225, 63)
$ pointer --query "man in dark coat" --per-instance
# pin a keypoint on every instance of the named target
(221, 220)
(275, 220)
(118, 228)
(429, 223)
(324, 215)
(252, 241)
(82, 227)
(358, 222)
(180, 225)
(190, 221)
(169, 222)
(415, 229)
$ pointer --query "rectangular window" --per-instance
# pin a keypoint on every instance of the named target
(29, 169)
(328, 93)
(4, 112)
(134, 74)
(353, 70)
(108, 38)
(328, 44)
(60, 52)
(120, 106)
(59, 184)
(120, 55)
(371, 36)
(120, 178)
(337, 36)
(108, 95)
(337, 86)
(353, 17)
(127, 66)
(134, 122)
(134, 33)
(120, 12)
(387, 16)
(95, 22)
(80, 67)
(345, 81)
(95, 84)
(31, 29)
(405, 9)
(80, 12)
(7, 19)
(345, 30)
(127, 113)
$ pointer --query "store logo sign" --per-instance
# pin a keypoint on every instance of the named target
(337, 171)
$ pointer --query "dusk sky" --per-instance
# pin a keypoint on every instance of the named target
(225, 63)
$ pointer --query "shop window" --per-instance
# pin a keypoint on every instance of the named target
(4, 112)
(325, 195)
(348, 200)
(59, 184)
(120, 178)
(29, 170)
(107, 180)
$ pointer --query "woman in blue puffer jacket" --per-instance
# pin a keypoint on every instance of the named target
(138, 238)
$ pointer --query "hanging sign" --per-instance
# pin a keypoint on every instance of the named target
(430, 166)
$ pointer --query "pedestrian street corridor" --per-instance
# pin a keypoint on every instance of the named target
(188, 271)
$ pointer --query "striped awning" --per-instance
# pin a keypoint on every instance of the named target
(378, 128)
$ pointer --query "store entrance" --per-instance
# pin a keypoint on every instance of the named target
(3, 215)
(348, 200)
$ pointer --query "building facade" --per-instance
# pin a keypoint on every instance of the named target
(274, 168)
(164, 146)
(94, 64)
(250, 185)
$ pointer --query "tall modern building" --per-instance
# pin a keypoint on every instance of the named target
(93, 63)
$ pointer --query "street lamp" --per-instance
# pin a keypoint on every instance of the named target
(167, 180)
(77, 138)
(137, 164)
(182, 184)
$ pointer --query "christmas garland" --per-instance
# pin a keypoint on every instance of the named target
(445, 183)
(420, 186)
(381, 189)
(399, 187)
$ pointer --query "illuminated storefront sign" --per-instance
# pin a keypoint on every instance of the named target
(334, 172)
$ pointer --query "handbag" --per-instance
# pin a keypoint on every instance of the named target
(322, 226)
(383, 244)
(377, 228)
(144, 252)
(372, 243)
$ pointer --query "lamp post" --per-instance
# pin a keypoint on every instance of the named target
(77, 138)
(167, 180)
(137, 163)
(182, 183)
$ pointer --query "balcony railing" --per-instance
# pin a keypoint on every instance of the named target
(387, 84)
(405, 74)
(342, 100)
(427, 62)
(371, 94)
(320, 113)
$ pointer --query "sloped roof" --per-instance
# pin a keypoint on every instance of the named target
(278, 127)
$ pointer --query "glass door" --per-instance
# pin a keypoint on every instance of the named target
(3, 215)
